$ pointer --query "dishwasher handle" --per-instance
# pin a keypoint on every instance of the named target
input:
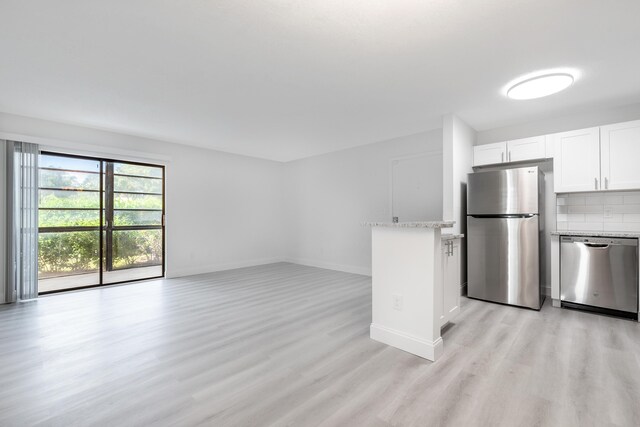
(596, 245)
(600, 242)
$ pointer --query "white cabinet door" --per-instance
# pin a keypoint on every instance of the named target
(526, 149)
(490, 154)
(576, 161)
(450, 281)
(620, 155)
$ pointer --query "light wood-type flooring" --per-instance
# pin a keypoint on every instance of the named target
(284, 344)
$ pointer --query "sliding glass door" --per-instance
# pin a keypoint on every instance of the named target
(69, 216)
(101, 222)
(133, 231)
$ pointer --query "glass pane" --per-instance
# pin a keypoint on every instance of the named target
(68, 218)
(137, 170)
(70, 163)
(136, 201)
(62, 179)
(137, 185)
(137, 248)
(68, 199)
(122, 218)
(68, 260)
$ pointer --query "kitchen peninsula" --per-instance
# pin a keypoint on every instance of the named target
(407, 286)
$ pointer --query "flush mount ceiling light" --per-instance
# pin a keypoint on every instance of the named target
(541, 85)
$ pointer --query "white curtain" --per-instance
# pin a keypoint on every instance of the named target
(22, 221)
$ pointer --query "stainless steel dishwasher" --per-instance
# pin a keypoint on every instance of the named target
(599, 274)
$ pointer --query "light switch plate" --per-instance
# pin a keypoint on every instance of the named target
(397, 302)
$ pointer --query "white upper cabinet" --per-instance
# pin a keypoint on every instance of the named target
(620, 156)
(593, 159)
(576, 161)
(526, 149)
(489, 154)
(518, 150)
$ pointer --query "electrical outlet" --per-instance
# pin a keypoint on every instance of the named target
(608, 213)
(397, 302)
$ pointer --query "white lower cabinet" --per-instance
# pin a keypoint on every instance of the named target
(450, 280)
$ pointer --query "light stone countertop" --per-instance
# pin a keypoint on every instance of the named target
(628, 234)
(446, 237)
(416, 224)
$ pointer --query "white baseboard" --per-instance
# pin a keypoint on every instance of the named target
(211, 268)
(330, 266)
(425, 349)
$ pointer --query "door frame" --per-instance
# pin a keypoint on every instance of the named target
(430, 153)
(102, 228)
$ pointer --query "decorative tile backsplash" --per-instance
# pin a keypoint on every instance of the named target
(610, 211)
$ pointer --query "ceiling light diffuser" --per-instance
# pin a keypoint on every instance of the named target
(540, 86)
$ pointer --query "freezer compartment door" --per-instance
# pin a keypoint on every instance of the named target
(503, 260)
(600, 274)
(505, 192)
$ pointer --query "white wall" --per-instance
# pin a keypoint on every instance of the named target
(226, 211)
(222, 210)
(579, 120)
(458, 140)
(329, 196)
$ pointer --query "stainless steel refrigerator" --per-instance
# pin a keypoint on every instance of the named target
(504, 228)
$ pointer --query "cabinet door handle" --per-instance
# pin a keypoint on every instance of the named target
(509, 155)
(596, 181)
(606, 183)
(502, 157)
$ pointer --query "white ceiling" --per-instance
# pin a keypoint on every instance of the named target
(285, 79)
